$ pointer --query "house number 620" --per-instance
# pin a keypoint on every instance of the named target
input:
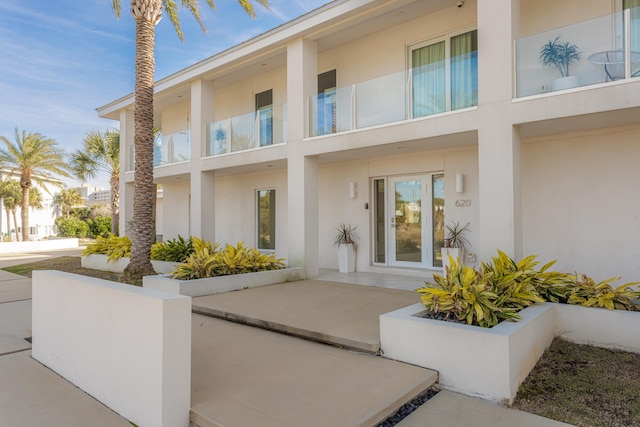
(463, 203)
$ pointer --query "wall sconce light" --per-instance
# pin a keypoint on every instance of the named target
(353, 190)
(459, 183)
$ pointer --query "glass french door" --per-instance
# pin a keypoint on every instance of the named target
(407, 220)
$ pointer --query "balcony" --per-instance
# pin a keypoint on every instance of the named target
(608, 48)
(174, 148)
(436, 86)
(262, 128)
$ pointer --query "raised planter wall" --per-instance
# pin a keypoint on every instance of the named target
(128, 347)
(215, 285)
(101, 262)
(599, 327)
(40, 245)
(492, 362)
(485, 362)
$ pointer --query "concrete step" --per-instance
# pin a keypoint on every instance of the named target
(244, 376)
(339, 314)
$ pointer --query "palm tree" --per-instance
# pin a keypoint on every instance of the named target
(147, 14)
(66, 199)
(11, 197)
(101, 153)
(34, 158)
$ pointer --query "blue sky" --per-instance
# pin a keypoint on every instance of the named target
(61, 59)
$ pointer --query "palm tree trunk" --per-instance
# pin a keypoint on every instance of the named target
(24, 214)
(115, 204)
(15, 223)
(8, 211)
(142, 235)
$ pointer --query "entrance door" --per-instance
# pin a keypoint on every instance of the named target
(407, 221)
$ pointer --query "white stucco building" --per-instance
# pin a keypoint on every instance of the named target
(366, 111)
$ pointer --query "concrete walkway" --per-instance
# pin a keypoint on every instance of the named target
(244, 376)
(337, 313)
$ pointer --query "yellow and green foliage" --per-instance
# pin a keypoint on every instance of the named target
(588, 293)
(503, 287)
(210, 261)
(114, 247)
(466, 294)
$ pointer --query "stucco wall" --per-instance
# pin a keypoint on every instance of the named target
(236, 210)
(579, 203)
(175, 210)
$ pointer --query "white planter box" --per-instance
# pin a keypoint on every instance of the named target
(100, 262)
(492, 362)
(215, 285)
(486, 362)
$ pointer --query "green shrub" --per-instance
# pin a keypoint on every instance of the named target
(71, 227)
(100, 226)
(209, 261)
(176, 250)
(114, 247)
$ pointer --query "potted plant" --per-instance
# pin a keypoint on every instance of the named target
(560, 55)
(345, 240)
(455, 242)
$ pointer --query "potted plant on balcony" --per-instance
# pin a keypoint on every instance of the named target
(560, 55)
(345, 240)
(455, 243)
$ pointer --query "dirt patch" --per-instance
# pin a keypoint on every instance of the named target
(584, 386)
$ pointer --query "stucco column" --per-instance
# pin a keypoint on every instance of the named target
(126, 164)
(500, 216)
(202, 185)
(302, 172)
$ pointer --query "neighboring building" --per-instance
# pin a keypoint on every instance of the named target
(366, 112)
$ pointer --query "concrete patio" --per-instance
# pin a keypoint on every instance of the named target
(248, 376)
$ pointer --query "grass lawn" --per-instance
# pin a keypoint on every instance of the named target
(70, 264)
(584, 386)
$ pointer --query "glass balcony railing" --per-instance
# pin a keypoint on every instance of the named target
(257, 129)
(172, 148)
(600, 50)
(437, 87)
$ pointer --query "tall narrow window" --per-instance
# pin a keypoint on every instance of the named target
(327, 102)
(264, 116)
(266, 219)
(380, 230)
(464, 70)
(437, 187)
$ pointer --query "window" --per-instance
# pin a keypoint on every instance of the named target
(327, 103)
(266, 219)
(264, 116)
(445, 75)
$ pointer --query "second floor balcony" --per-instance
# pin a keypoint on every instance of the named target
(264, 127)
(600, 50)
(442, 77)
